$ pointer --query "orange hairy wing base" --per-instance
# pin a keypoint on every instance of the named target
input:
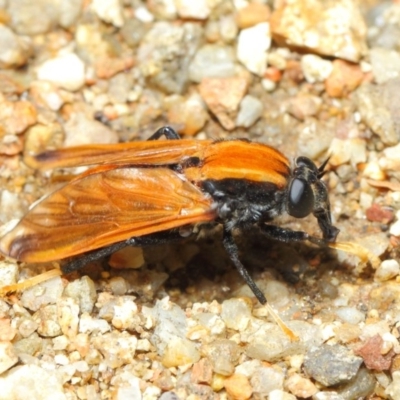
(153, 152)
(106, 205)
(237, 159)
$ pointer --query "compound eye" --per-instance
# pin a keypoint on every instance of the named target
(301, 198)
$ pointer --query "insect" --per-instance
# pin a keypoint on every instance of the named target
(144, 193)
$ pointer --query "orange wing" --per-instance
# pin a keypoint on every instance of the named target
(103, 206)
(152, 152)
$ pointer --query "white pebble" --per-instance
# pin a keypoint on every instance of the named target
(43, 294)
(124, 312)
(236, 313)
(385, 64)
(118, 286)
(66, 71)
(7, 356)
(8, 273)
(87, 324)
(14, 49)
(350, 315)
(278, 394)
(343, 151)
(395, 228)
(268, 85)
(387, 270)
(393, 390)
(61, 359)
(31, 381)
(315, 69)
(198, 9)
(144, 15)
(212, 61)
(109, 11)
(250, 111)
(252, 47)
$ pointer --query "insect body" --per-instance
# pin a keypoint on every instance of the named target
(141, 193)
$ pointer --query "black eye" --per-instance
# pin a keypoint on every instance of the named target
(301, 199)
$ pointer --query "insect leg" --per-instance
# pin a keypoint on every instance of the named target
(166, 131)
(232, 250)
(287, 235)
(147, 240)
(80, 261)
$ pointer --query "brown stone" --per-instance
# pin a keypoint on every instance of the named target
(344, 78)
(371, 352)
(202, 372)
(223, 96)
(108, 67)
(376, 213)
(252, 14)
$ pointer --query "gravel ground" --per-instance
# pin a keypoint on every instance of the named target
(309, 77)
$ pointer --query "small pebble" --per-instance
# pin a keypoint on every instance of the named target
(224, 355)
(212, 61)
(350, 315)
(87, 324)
(118, 285)
(39, 382)
(8, 273)
(189, 115)
(202, 372)
(68, 316)
(378, 109)
(266, 380)
(252, 47)
(371, 350)
(118, 348)
(250, 111)
(14, 50)
(47, 319)
(236, 313)
(43, 16)
(385, 64)
(223, 96)
(252, 14)
(278, 394)
(303, 106)
(328, 396)
(395, 228)
(315, 68)
(125, 314)
(179, 352)
(16, 117)
(300, 386)
(79, 129)
(109, 11)
(331, 365)
(238, 387)
(65, 70)
(361, 387)
(343, 151)
(84, 292)
(43, 294)
(164, 42)
(373, 171)
(393, 390)
(388, 269)
(8, 358)
(198, 9)
(344, 79)
(128, 257)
